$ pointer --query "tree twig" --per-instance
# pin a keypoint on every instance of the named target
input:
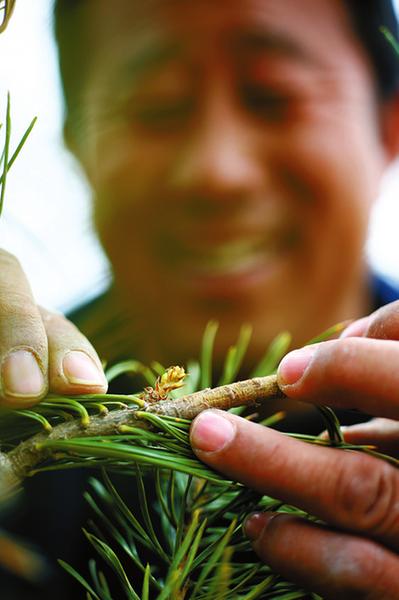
(17, 464)
(243, 393)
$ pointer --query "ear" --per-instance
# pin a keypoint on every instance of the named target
(390, 126)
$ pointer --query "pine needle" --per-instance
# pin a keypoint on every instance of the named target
(208, 341)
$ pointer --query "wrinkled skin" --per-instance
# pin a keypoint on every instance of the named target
(355, 555)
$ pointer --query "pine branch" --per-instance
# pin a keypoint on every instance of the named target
(243, 393)
(19, 462)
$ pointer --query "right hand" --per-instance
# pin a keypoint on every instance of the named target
(40, 351)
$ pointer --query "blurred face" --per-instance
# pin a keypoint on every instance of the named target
(234, 152)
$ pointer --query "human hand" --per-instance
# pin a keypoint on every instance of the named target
(355, 555)
(40, 351)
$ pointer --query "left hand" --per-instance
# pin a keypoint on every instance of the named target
(356, 554)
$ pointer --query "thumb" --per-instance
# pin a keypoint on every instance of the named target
(354, 372)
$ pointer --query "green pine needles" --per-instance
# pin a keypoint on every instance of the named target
(187, 521)
(182, 537)
(7, 158)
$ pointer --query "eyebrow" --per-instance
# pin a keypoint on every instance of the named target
(156, 53)
(276, 43)
(150, 57)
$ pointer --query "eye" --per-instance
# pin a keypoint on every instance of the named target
(266, 104)
(162, 114)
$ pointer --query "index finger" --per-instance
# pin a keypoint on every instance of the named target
(356, 372)
(350, 490)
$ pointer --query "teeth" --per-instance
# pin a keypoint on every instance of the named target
(224, 268)
(232, 257)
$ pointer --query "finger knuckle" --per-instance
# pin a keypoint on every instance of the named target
(367, 495)
(359, 568)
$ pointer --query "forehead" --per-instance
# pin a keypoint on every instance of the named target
(200, 13)
(138, 34)
(269, 24)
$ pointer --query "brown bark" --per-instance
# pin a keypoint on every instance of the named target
(17, 464)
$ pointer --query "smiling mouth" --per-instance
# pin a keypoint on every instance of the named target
(231, 258)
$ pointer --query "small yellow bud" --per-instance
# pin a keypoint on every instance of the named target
(172, 379)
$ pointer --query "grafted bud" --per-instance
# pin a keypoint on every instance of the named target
(172, 379)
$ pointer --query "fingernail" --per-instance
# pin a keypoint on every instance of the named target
(21, 375)
(210, 432)
(80, 369)
(293, 366)
(255, 523)
(357, 328)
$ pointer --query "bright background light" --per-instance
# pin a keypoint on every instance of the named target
(46, 220)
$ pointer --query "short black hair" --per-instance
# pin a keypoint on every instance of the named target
(367, 16)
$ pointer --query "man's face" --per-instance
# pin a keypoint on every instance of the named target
(234, 152)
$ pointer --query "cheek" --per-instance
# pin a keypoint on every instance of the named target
(128, 212)
(129, 186)
(123, 161)
(334, 181)
(331, 181)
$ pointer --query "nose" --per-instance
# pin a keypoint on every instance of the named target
(221, 157)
